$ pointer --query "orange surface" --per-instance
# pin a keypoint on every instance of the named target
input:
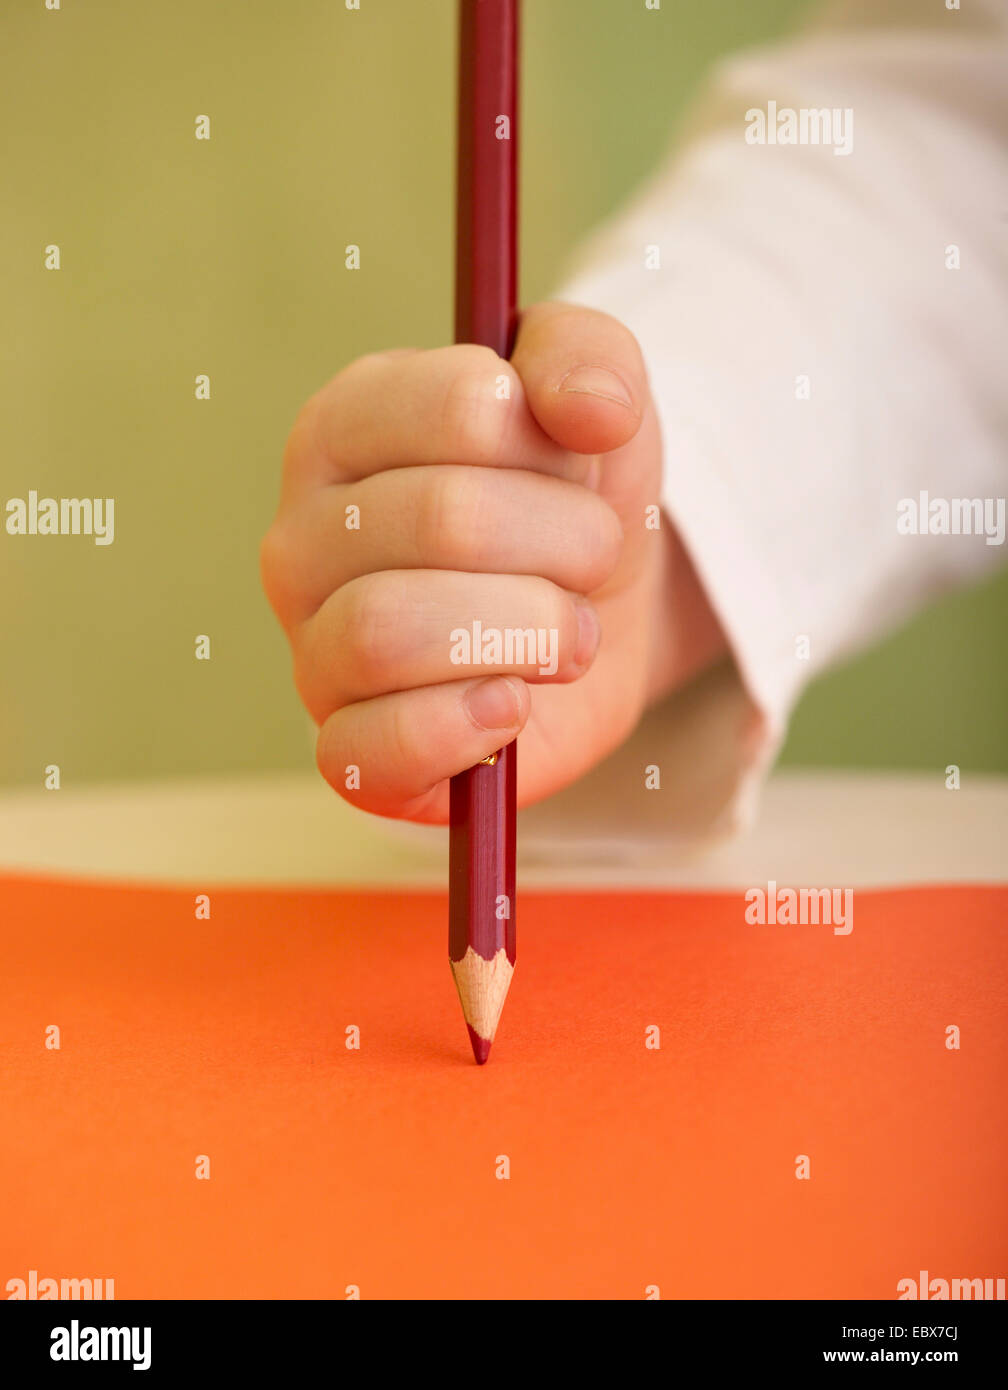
(376, 1167)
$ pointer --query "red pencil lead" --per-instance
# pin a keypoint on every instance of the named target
(480, 1046)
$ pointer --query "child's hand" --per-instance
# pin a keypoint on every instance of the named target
(474, 507)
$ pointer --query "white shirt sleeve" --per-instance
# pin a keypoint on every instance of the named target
(815, 356)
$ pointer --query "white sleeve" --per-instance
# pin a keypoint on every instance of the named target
(789, 271)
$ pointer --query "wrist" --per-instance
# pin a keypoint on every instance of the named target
(686, 636)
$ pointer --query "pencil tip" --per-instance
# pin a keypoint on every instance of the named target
(482, 985)
(480, 1046)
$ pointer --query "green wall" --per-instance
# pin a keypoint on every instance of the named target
(224, 257)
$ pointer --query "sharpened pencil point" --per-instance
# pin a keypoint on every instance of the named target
(482, 987)
(480, 1046)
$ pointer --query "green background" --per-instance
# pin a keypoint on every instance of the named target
(226, 257)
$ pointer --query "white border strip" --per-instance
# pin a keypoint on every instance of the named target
(859, 829)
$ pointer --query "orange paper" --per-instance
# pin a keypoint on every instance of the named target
(377, 1169)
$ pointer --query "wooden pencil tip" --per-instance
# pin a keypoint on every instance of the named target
(480, 1046)
(482, 987)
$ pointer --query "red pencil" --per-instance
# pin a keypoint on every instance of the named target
(481, 871)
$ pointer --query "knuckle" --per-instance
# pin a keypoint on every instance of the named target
(278, 570)
(473, 420)
(332, 754)
(371, 629)
(435, 520)
(564, 619)
(326, 752)
(603, 543)
(568, 623)
(552, 608)
(318, 423)
(402, 747)
(362, 366)
(445, 517)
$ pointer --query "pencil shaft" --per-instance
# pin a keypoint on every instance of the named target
(486, 261)
(481, 934)
(481, 874)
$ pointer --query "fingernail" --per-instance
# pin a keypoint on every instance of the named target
(589, 632)
(493, 703)
(597, 381)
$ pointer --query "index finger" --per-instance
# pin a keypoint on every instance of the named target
(461, 405)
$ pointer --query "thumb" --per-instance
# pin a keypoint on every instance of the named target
(583, 376)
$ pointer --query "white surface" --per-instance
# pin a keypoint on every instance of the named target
(825, 829)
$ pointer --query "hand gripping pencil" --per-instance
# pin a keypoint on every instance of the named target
(481, 868)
